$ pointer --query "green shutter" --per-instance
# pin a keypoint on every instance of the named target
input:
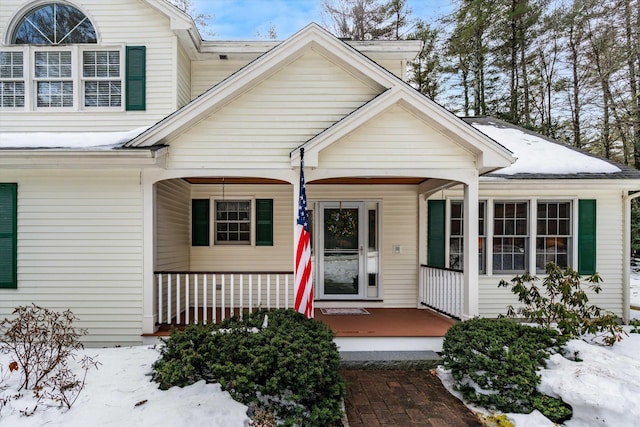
(264, 222)
(8, 235)
(586, 236)
(200, 222)
(436, 233)
(136, 85)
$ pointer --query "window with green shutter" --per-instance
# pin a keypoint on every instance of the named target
(136, 77)
(586, 236)
(264, 222)
(436, 233)
(8, 235)
(200, 214)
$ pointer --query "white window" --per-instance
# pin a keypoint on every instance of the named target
(53, 78)
(510, 237)
(553, 237)
(12, 80)
(56, 64)
(456, 236)
(232, 222)
(101, 74)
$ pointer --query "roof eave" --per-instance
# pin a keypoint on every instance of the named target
(82, 159)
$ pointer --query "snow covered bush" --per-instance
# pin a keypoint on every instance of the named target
(561, 302)
(287, 365)
(495, 362)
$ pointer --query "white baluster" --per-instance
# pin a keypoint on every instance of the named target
(195, 298)
(186, 298)
(169, 295)
(178, 299)
(160, 298)
(241, 295)
(222, 314)
(214, 293)
(250, 293)
(204, 299)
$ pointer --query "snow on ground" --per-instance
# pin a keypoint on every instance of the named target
(113, 396)
(635, 290)
(602, 388)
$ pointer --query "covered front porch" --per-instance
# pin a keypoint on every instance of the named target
(185, 298)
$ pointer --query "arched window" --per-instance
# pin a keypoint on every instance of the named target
(54, 61)
(54, 24)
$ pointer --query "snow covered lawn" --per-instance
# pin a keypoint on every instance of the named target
(120, 394)
(603, 389)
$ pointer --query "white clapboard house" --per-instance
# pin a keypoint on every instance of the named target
(149, 177)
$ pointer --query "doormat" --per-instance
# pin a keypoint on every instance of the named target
(343, 311)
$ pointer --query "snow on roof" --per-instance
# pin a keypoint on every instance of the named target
(68, 140)
(537, 155)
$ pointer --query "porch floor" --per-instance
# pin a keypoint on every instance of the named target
(388, 322)
(380, 322)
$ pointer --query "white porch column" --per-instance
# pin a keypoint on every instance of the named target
(422, 245)
(149, 314)
(296, 196)
(471, 289)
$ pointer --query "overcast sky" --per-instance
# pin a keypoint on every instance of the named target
(244, 19)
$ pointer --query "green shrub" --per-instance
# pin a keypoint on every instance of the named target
(290, 368)
(562, 302)
(635, 326)
(495, 362)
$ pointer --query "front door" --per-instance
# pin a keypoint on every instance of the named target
(341, 241)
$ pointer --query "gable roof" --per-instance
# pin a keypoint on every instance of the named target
(541, 157)
(256, 71)
(394, 91)
(490, 155)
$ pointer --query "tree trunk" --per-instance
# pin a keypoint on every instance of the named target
(633, 55)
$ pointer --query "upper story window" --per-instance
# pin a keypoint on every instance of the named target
(54, 24)
(55, 63)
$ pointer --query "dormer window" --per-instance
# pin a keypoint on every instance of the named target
(56, 63)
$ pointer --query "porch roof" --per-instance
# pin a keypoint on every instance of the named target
(541, 157)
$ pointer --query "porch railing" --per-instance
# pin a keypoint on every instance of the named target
(443, 289)
(185, 297)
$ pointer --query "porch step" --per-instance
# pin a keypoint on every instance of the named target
(389, 359)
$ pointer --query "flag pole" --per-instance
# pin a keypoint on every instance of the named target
(302, 275)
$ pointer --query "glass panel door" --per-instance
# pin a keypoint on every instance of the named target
(341, 271)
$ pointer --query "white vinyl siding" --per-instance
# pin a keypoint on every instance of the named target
(278, 257)
(610, 265)
(142, 25)
(399, 135)
(399, 207)
(172, 225)
(184, 78)
(208, 73)
(262, 126)
(80, 248)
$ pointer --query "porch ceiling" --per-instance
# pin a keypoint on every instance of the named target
(371, 181)
(233, 180)
(327, 181)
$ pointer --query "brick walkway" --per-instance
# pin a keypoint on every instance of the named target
(402, 398)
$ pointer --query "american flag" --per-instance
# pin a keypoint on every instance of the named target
(303, 282)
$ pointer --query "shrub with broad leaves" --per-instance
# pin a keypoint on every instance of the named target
(562, 302)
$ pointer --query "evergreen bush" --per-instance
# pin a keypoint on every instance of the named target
(495, 362)
(290, 367)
